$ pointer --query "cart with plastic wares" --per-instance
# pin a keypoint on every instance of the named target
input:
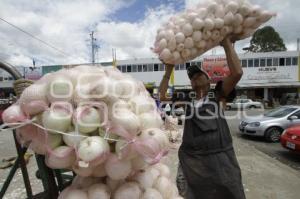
(54, 181)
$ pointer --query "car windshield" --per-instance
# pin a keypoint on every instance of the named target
(280, 112)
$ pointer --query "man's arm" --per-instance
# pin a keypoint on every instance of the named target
(164, 84)
(234, 65)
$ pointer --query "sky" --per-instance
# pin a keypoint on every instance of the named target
(63, 28)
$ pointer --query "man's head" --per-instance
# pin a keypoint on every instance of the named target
(200, 80)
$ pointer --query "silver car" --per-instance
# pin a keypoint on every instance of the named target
(243, 104)
(271, 124)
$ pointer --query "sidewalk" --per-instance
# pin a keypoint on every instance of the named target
(263, 176)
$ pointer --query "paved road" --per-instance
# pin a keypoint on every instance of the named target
(275, 150)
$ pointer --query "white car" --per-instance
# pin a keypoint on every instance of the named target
(243, 104)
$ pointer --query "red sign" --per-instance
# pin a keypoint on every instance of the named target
(216, 68)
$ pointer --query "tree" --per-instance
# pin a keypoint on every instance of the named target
(266, 39)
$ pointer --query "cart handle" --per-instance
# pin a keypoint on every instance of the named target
(10, 69)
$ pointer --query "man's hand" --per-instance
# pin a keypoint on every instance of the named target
(165, 82)
(228, 41)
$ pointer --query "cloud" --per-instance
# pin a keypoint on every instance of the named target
(66, 25)
(132, 40)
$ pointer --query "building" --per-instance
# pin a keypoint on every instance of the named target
(267, 76)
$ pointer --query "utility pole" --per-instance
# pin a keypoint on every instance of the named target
(298, 44)
(93, 47)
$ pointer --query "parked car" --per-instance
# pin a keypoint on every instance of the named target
(179, 111)
(271, 124)
(243, 104)
(290, 138)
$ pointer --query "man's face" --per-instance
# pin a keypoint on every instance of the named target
(200, 84)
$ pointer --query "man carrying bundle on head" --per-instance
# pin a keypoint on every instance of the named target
(207, 158)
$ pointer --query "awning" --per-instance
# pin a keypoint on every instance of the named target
(271, 85)
(189, 87)
(251, 85)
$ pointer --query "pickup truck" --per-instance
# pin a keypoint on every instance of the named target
(243, 104)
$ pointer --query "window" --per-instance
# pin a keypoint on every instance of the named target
(281, 61)
(244, 63)
(243, 101)
(1, 79)
(119, 67)
(177, 66)
(269, 62)
(256, 62)
(262, 62)
(150, 67)
(188, 64)
(155, 67)
(280, 112)
(297, 114)
(295, 61)
(145, 69)
(134, 68)
(140, 68)
(275, 62)
(288, 61)
(124, 69)
(184, 66)
(250, 62)
(10, 78)
(161, 67)
(129, 69)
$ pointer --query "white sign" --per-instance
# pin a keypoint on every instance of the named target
(270, 74)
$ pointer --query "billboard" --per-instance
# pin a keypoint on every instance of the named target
(33, 73)
(49, 69)
(217, 68)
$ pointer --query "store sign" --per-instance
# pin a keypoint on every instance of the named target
(217, 68)
(270, 74)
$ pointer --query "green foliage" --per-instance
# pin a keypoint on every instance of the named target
(266, 39)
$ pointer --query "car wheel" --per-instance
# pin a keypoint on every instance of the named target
(273, 134)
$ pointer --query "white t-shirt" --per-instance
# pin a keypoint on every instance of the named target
(200, 102)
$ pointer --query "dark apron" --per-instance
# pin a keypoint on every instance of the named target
(207, 157)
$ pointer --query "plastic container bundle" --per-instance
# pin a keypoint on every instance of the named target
(150, 183)
(195, 31)
(96, 122)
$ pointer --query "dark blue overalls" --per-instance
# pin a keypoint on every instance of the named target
(207, 157)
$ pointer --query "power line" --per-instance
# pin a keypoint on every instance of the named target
(36, 38)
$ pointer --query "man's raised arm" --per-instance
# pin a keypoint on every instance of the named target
(164, 84)
(234, 65)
